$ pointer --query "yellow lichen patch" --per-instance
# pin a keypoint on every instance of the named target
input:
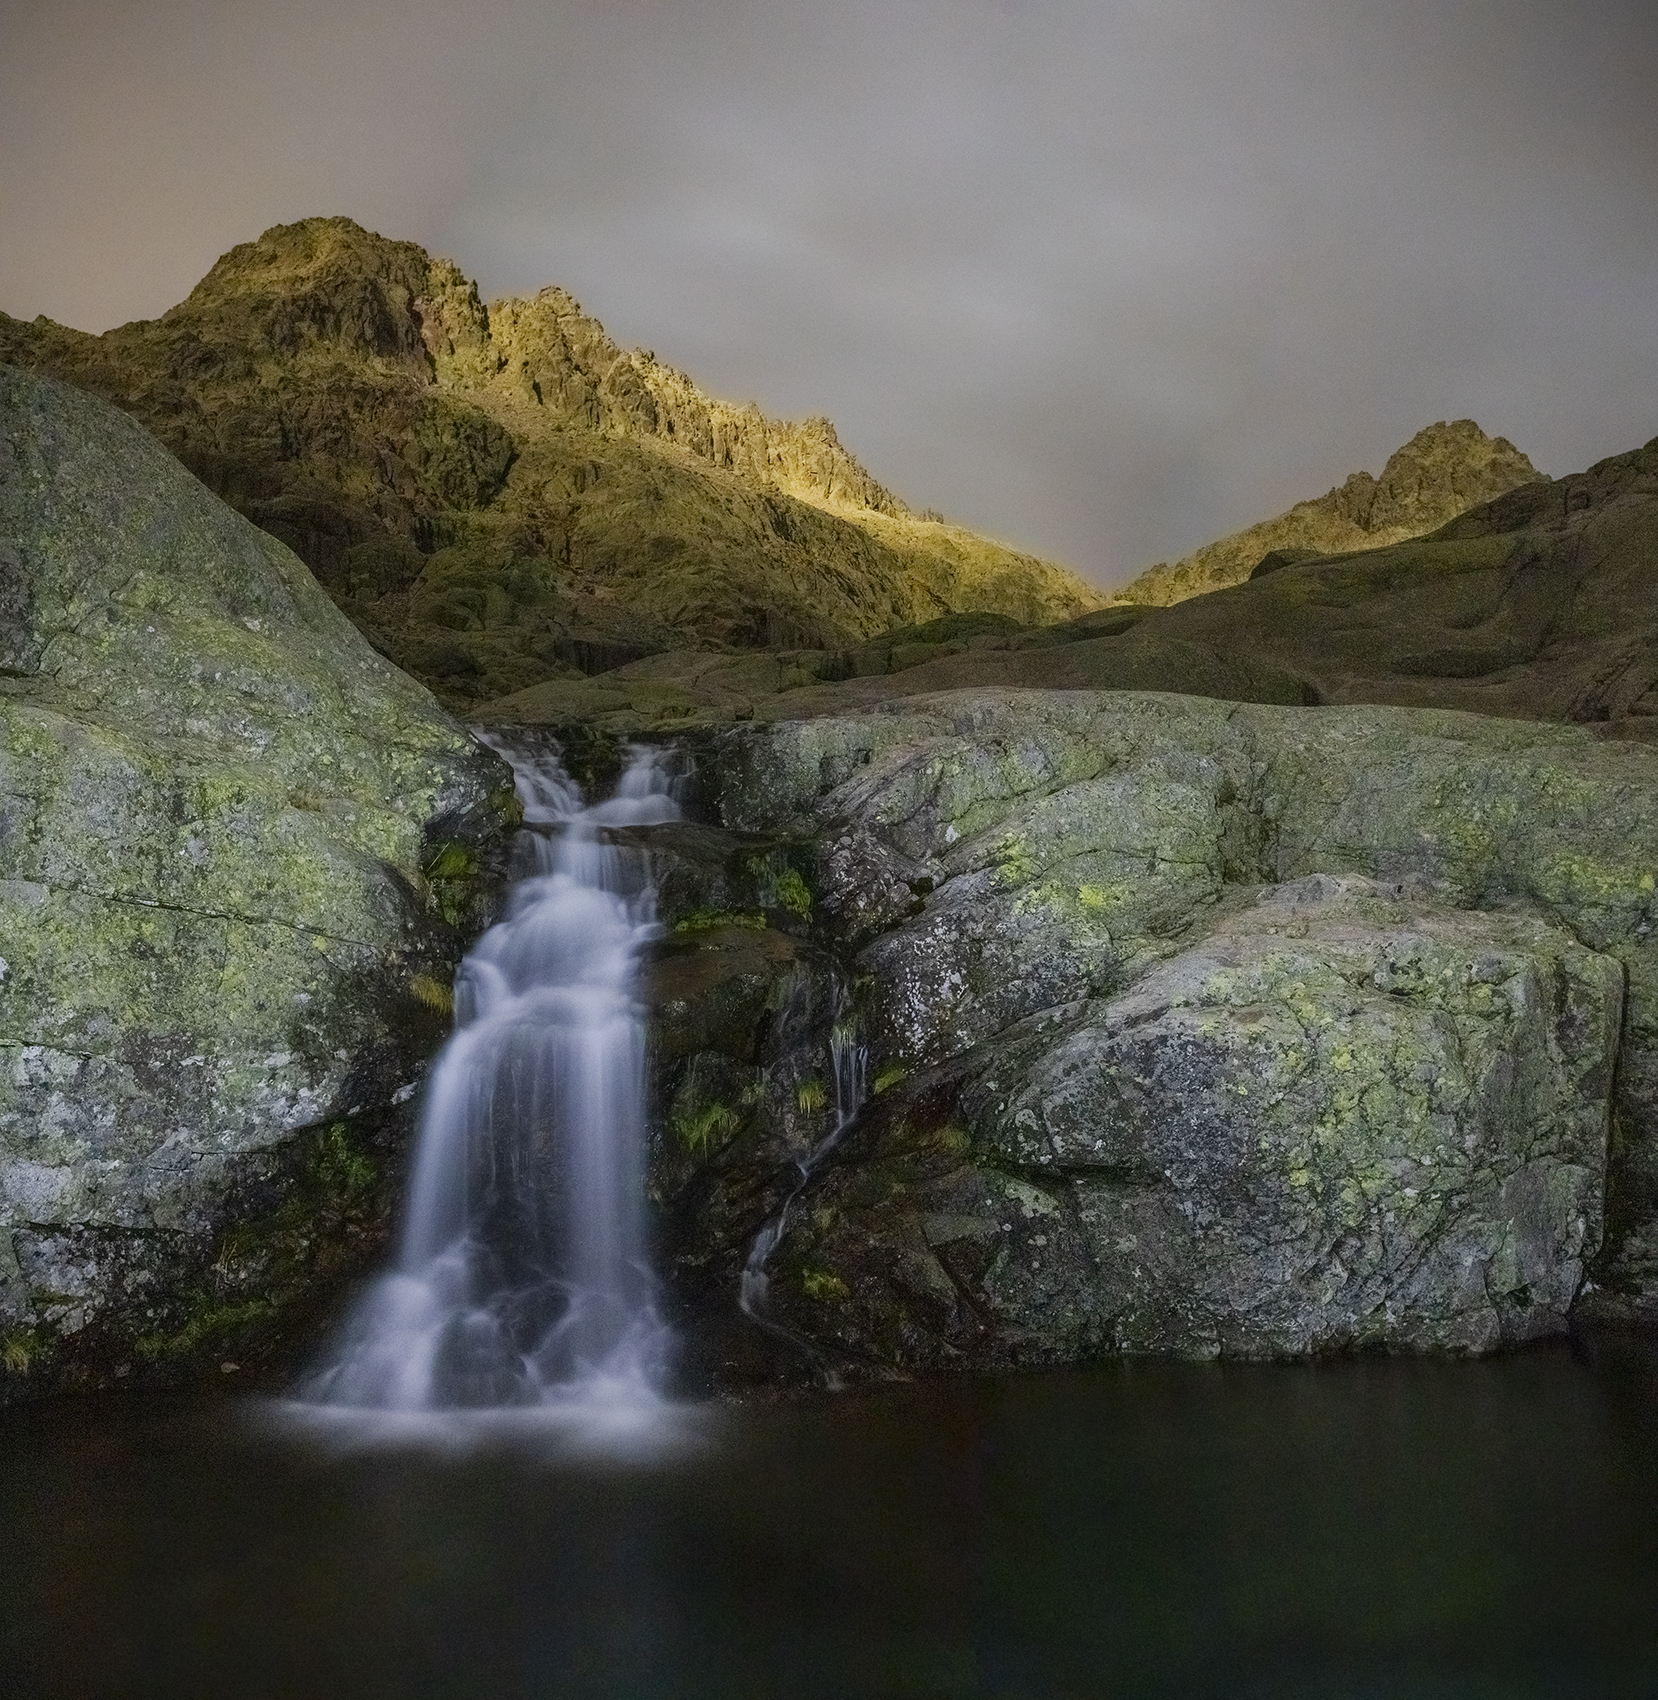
(1571, 877)
(822, 1286)
(1015, 862)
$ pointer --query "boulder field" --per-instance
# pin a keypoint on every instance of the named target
(240, 855)
(1188, 1027)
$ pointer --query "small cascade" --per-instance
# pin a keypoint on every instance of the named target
(849, 1061)
(521, 1277)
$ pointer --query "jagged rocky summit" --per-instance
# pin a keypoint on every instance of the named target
(1444, 470)
(500, 495)
(240, 854)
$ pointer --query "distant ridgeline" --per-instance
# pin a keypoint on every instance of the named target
(1441, 472)
(500, 495)
(543, 527)
(1536, 605)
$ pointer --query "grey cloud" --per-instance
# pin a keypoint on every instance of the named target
(1103, 279)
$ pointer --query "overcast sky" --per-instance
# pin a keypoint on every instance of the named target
(1104, 279)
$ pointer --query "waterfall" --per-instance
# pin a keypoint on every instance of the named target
(521, 1275)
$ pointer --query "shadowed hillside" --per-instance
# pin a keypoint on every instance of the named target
(1538, 605)
(500, 495)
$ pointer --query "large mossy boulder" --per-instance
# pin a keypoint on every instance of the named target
(239, 853)
(1198, 1027)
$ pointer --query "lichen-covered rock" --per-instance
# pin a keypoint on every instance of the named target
(238, 852)
(1202, 1027)
(1343, 1119)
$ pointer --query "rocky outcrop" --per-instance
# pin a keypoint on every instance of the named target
(546, 350)
(1444, 470)
(239, 854)
(1190, 1028)
(501, 495)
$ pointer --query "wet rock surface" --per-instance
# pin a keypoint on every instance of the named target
(1199, 1028)
(744, 990)
(239, 856)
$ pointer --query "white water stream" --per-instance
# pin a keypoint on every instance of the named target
(849, 1060)
(522, 1279)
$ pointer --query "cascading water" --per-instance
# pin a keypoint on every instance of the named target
(848, 1059)
(521, 1277)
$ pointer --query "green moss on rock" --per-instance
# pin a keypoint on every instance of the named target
(1312, 1030)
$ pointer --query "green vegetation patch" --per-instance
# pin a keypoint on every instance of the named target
(823, 1286)
(711, 920)
(700, 1131)
(793, 893)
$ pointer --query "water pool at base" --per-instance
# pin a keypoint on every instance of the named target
(1379, 1528)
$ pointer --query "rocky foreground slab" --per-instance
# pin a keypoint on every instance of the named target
(238, 856)
(1192, 1027)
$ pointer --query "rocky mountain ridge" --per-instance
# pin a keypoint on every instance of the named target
(499, 495)
(1444, 470)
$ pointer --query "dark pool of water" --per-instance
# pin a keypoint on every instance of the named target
(1372, 1529)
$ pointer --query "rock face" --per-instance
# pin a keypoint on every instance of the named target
(499, 496)
(1441, 472)
(238, 855)
(1340, 1120)
(1194, 1028)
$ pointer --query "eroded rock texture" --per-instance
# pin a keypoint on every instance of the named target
(238, 855)
(1202, 1028)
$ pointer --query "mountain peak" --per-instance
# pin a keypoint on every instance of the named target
(1445, 469)
(502, 494)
